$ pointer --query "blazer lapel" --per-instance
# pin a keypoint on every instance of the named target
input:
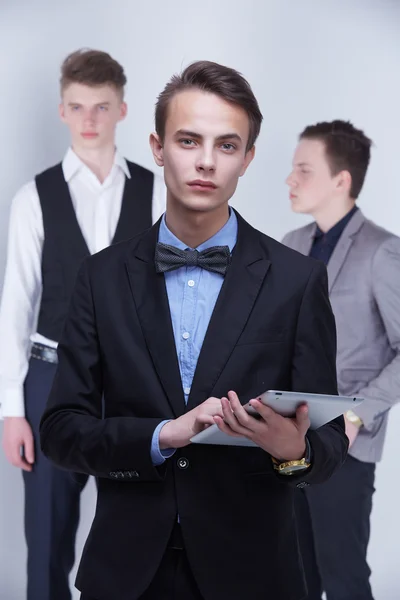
(151, 301)
(239, 291)
(343, 246)
(305, 240)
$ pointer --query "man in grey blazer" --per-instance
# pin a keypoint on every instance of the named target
(363, 261)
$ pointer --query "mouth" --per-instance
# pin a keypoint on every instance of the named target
(292, 196)
(89, 135)
(200, 184)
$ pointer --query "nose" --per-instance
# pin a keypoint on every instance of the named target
(89, 116)
(291, 180)
(206, 159)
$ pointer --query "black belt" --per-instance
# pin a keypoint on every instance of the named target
(46, 353)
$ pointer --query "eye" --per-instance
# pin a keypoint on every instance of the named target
(75, 107)
(229, 147)
(103, 108)
(187, 143)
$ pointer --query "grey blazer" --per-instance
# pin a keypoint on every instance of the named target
(364, 286)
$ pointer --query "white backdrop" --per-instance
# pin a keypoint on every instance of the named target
(306, 61)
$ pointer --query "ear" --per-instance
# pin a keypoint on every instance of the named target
(123, 111)
(344, 182)
(247, 160)
(61, 111)
(157, 149)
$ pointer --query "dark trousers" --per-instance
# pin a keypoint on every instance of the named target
(174, 579)
(340, 512)
(52, 499)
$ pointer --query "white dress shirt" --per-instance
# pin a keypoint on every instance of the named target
(97, 206)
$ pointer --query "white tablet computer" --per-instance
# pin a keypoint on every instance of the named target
(322, 408)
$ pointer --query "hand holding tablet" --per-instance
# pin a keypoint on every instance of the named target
(322, 408)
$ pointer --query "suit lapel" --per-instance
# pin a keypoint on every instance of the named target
(305, 241)
(343, 246)
(151, 301)
(239, 291)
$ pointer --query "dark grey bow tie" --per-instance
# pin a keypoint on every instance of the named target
(215, 259)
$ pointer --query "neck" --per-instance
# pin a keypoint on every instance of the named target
(193, 227)
(328, 217)
(99, 161)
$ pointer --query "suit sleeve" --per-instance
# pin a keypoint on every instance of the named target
(73, 433)
(384, 391)
(314, 371)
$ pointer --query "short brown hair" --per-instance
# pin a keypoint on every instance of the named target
(92, 68)
(346, 148)
(211, 77)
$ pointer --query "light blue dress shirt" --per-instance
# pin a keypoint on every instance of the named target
(192, 294)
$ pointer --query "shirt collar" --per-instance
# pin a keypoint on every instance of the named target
(72, 164)
(226, 236)
(336, 231)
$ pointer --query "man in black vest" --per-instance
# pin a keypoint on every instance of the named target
(92, 199)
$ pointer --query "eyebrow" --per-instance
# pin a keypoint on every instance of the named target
(220, 138)
(97, 104)
(303, 164)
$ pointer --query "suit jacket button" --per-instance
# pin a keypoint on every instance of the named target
(183, 463)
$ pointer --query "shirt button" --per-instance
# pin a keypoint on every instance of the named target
(190, 283)
(186, 335)
(187, 390)
(183, 463)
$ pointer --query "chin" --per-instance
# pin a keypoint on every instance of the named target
(200, 204)
(95, 144)
(299, 208)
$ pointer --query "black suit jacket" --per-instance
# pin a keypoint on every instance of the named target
(118, 377)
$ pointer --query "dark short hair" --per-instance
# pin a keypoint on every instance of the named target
(211, 77)
(92, 68)
(346, 148)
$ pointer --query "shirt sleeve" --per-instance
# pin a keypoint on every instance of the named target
(21, 295)
(158, 456)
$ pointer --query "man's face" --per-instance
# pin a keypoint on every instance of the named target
(92, 114)
(203, 151)
(311, 184)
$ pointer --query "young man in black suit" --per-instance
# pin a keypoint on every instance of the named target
(173, 331)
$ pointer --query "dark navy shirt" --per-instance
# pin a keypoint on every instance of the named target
(325, 243)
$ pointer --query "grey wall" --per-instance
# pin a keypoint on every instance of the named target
(306, 61)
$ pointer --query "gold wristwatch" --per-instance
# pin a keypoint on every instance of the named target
(291, 467)
(353, 418)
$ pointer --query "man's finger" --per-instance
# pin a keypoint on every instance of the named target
(222, 426)
(29, 450)
(25, 466)
(237, 408)
(245, 419)
(302, 418)
(19, 462)
(205, 419)
(266, 412)
(230, 418)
